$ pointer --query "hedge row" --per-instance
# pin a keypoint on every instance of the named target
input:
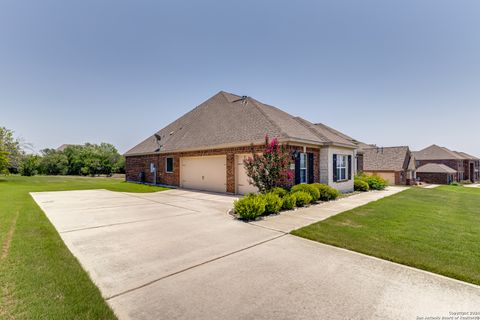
(252, 205)
(365, 183)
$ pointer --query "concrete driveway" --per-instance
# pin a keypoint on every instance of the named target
(177, 255)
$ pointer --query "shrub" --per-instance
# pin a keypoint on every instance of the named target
(360, 185)
(289, 201)
(456, 184)
(280, 192)
(308, 188)
(374, 182)
(302, 198)
(273, 203)
(250, 207)
(327, 193)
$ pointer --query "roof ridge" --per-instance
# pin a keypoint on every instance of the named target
(257, 104)
(379, 147)
(304, 122)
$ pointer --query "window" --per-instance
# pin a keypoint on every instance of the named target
(303, 168)
(168, 164)
(342, 165)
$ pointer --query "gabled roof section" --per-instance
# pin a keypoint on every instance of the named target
(467, 156)
(326, 136)
(386, 158)
(360, 145)
(227, 120)
(435, 168)
(435, 152)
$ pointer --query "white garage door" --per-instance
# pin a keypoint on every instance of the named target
(243, 186)
(204, 173)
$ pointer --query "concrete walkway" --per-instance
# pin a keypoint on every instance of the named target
(177, 254)
(430, 186)
(474, 185)
(294, 219)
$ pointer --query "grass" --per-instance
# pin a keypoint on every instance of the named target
(39, 277)
(432, 229)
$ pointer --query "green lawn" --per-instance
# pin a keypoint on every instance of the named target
(39, 277)
(432, 229)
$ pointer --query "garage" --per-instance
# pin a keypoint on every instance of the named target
(388, 176)
(243, 186)
(204, 173)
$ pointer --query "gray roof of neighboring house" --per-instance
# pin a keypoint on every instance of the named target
(435, 152)
(435, 168)
(63, 147)
(386, 158)
(227, 120)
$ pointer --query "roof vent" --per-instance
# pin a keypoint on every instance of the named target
(158, 138)
(243, 99)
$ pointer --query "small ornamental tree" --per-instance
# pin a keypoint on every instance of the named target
(271, 168)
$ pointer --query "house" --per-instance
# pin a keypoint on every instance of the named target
(358, 163)
(466, 166)
(205, 148)
(63, 147)
(437, 173)
(394, 164)
(471, 166)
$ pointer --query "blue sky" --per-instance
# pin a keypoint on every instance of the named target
(386, 72)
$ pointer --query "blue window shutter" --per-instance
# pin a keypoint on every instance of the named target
(311, 172)
(297, 169)
(349, 167)
(335, 178)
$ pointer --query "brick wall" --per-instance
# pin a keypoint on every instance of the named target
(437, 178)
(454, 164)
(136, 164)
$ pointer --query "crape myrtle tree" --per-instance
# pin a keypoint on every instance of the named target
(271, 168)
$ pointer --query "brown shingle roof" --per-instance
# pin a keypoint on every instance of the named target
(230, 120)
(435, 168)
(386, 159)
(435, 152)
(360, 145)
(467, 156)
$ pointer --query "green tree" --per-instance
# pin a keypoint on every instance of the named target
(53, 162)
(93, 159)
(4, 162)
(29, 165)
(120, 165)
(75, 157)
(10, 151)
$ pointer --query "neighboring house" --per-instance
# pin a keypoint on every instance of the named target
(471, 166)
(436, 173)
(466, 166)
(394, 164)
(205, 148)
(63, 147)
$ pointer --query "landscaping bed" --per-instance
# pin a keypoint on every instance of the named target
(254, 206)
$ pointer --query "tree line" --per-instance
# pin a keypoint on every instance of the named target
(88, 159)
